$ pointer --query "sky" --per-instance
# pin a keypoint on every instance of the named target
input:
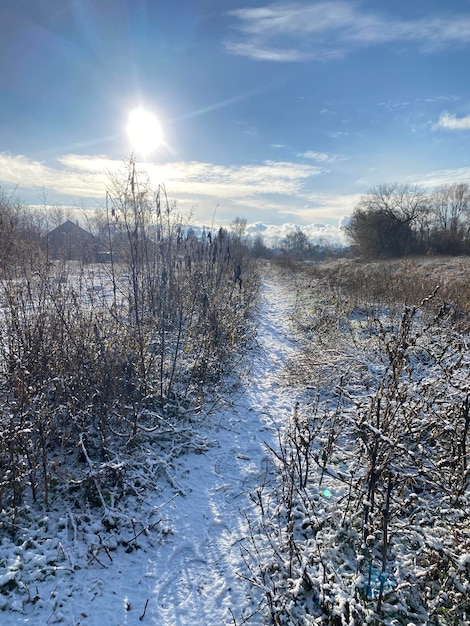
(281, 113)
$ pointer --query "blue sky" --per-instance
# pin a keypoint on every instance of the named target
(281, 113)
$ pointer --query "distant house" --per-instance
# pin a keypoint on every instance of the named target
(70, 242)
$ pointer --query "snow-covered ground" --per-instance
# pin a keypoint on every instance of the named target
(187, 567)
(203, 525)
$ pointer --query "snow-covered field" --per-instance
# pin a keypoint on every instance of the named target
(180, 560)
(330, 485)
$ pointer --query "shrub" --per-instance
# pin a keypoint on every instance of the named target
(367, 520)
(96, 358)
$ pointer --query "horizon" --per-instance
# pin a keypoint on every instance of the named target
(283, 114)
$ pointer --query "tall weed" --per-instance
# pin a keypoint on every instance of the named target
(368, 519)
(96, 358)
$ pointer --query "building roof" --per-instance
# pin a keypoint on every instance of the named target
(72, 242)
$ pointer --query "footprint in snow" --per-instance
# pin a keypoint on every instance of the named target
(189, 577)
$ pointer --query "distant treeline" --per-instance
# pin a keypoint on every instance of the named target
(395, 220)
(392, 220)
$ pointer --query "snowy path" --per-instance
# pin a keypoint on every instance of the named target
(195, 575)
(190, 575)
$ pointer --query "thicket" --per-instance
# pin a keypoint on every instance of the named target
(366, 517)
(97, 359)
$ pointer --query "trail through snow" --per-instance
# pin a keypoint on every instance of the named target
(196, 576)
(194, 573)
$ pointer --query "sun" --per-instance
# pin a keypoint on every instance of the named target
(145, 132)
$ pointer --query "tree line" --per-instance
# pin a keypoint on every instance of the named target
(391, 220)
(395, 220)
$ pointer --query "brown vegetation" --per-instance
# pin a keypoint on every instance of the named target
(368, 521)
(95, 358)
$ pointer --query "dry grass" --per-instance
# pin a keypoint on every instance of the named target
(403, 281)
(368, 519)
(339, 303)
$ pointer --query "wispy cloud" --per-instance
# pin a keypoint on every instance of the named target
(323, 205)
(442, 177)
(80, 178)
(322, 157)
(89, 176)
(298, 31)
(450, 98)
(209, 179)
(451, 122)
(265, 53)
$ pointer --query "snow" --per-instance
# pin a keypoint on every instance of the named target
(185, 564)
(208, 528)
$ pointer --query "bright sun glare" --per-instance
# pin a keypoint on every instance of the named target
(144, 130)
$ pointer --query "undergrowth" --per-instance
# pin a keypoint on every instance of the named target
(96, 361)
(367, 518)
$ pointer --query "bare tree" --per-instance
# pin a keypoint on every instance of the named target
(386, 220)
(19, 233)
(450, 209)
(238, 227)
(296, 244)
(451, 206)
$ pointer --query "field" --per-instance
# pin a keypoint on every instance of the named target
(320, 477)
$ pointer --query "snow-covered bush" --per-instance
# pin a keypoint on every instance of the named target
(95, 359)
(368, 519)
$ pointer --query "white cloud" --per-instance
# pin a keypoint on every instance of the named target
(294, 18)
(89, 176)
(81, 178)
(298, 31)
(442, 177)
(322, 157)
(337, 134)
(86, 163)
(273, 188)
(263, 53)
(450, 98)
(233, 182)
(451, 122)
(326, 234)
(325, 207)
